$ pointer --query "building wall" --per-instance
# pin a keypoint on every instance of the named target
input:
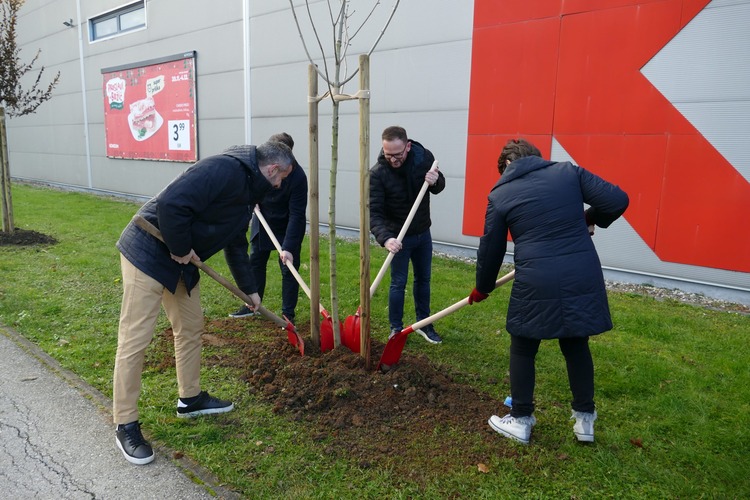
(422, 77)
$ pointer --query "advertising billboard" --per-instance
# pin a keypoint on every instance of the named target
(150, 109)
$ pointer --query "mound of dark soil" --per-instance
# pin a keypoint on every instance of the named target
(24, 237)
(416, 419)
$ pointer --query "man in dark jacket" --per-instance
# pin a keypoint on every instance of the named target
(395, 181)
(559, 290)
(202, 211)
(284, 210)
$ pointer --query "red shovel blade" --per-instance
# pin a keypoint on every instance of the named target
(294, 338)
(326, 335)
(393, 349)
(350, 333)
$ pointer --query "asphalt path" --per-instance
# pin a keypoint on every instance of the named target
(57, 440)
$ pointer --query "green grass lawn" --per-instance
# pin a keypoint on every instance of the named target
(673, 380)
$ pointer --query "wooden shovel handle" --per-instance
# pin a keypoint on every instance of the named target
(289, 265)
(455, 307)
(153, 231)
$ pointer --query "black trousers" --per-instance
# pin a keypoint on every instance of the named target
(289, 286)
(580, 367)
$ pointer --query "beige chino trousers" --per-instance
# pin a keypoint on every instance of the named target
(141, 299)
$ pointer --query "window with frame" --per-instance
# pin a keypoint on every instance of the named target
(128, 18)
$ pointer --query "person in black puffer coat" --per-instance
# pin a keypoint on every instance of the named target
(205, 209)
(284, 211)
(395, 181)
(559, 290)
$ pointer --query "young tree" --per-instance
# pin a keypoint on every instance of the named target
(13, 96)
(335, 78)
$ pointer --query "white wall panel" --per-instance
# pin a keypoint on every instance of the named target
(705, 72)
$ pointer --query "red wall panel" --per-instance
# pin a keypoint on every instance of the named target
(571, 69)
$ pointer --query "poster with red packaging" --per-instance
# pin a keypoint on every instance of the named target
(150, 109)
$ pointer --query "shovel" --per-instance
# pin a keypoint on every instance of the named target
(326, 326)
(395, 345)
(350, 333)
(294, 338)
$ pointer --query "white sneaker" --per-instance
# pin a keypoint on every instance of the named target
(584, 426)
(518, 429)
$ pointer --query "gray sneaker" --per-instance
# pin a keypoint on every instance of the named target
(518, 429)
(584, 426)
(429, 334)
(242, 312)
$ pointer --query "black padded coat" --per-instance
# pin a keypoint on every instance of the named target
(206, 208)
(559, 288)
(393, 191)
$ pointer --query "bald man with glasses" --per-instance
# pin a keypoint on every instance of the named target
(395, 181)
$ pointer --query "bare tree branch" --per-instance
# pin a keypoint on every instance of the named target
(385, 27)
(340, 22)
(341, 43)
(382, 32)
(18, 100)
(323, 75)
(375, 6)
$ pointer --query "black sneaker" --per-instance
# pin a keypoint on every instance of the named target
(242, 312)
(132, 444)
(202, 404)
(429, 334)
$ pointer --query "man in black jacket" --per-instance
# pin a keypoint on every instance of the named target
(395, 181)
(284, 210)
(202, 211)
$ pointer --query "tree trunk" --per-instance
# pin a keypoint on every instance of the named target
(7, 201)
(332, 219)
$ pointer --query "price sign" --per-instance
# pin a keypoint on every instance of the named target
(179, 135)
(150, 111)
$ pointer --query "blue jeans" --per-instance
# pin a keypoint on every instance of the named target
(416, 248)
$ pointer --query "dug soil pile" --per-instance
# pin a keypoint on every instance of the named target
(415, 419)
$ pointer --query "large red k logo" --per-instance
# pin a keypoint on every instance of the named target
(572, 69)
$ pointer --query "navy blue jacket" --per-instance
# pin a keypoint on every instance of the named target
(206, 208)
(394, 190)
(284, 210)
(559, 288)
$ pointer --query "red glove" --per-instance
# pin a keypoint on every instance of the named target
(477, 296)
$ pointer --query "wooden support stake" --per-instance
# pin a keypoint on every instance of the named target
(313, 205)
(364, 214)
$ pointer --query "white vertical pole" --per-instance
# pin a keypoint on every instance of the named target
(246, 67)
(83, 95)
